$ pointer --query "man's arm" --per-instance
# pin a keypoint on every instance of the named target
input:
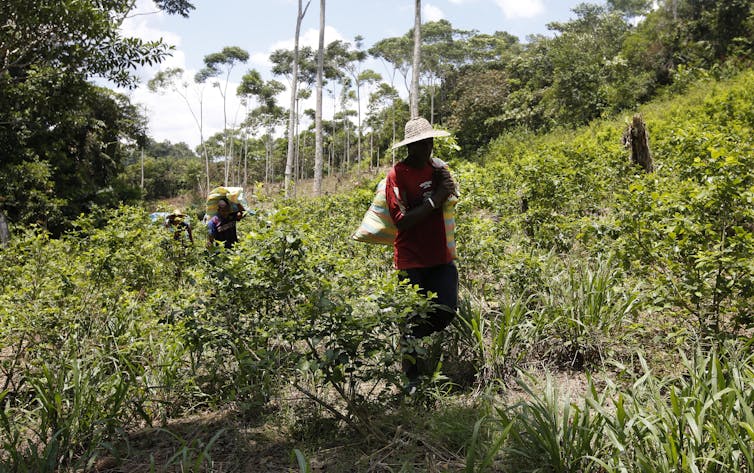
(210, 233)
(415, 216)
(411, 218)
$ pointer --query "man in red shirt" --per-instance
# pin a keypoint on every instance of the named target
(415, 191)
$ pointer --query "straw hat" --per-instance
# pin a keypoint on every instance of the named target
(418, 129)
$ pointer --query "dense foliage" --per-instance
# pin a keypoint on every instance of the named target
(63, 139)
(570, 257)
(608, 59)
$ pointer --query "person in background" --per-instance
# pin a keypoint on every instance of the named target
(415, 192)
(178, 222)
(222, 227)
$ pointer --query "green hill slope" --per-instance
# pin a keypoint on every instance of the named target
(572, 261)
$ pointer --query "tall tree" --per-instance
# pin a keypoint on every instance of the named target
(443, 51)
(586, 64)
(396, 52)
(172, 79)
(631, 8)
(353, 67)
(292, 112)
(318, 152)
(381, 115)
(367, 77)
(269, 115)
(414, 100)
(336, 58)
(214, 65)
(250, 87)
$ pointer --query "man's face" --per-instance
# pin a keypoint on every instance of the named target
(223, 209)
(423, 147)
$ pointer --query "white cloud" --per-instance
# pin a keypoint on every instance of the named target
(309, 37)
(168, 113)
(260, 60)
(513, 9)
(144, 22)
(170, 117)
(432, 13)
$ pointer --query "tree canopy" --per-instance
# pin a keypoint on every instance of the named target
(61, 137)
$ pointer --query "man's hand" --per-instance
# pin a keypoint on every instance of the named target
(445, 186)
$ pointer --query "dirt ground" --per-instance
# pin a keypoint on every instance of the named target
(230, 441)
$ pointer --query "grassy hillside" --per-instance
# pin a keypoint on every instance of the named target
(604, 326)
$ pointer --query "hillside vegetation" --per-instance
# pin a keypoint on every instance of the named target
(68, 144)
(605, 322)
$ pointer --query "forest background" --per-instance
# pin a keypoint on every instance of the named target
(639, 284)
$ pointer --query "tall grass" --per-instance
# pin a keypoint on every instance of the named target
(582, 310)
(497, 338)
(700, 421)
(550, 433)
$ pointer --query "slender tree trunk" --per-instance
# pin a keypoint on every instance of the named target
(230, 160)
(267, 159)
(358, 120)
(334, 111)
(142, 155)
(297, 157)
(417, 59)
(318, 158)
(228, 157)
(272, 159)
(292, 113)
(302, 160)
(432, 105)
(296, 151)
(245, 159)
(392, 150)
(201, 137)
(347, 141)
(200, 125)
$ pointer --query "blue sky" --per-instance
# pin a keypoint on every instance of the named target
(260, 27)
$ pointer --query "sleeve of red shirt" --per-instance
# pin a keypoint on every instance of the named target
(392, 196)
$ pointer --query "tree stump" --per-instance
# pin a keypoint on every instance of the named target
(637, 139)
(4, 232)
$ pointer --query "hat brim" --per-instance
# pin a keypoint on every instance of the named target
(422, 136)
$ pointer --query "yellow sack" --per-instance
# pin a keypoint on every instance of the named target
(235, 196)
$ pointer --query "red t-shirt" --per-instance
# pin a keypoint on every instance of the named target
(423, 245)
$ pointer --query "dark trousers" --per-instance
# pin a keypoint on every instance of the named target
(443, 281)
